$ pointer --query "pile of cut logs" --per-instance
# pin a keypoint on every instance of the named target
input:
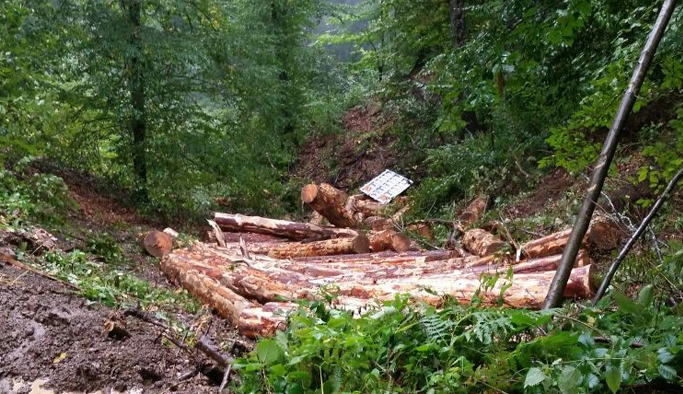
(252, 269)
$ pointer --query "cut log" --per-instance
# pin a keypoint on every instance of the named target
(264, 321)
(116, 329)
(368, 207)
(174, 234)
(283, 228)
(524, 291)
(481, 242)
(316, 218)
(205, 285)
(385, 257)
(424, 230)
(329, 202)
(334, 246)
(229, 237)
(474, 211)
(156, 243)
(603, 234)
(377, 223)
(389, 240)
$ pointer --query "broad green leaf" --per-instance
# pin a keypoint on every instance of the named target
(625, 304)
(613, 378)
(268, 351)
(667, 372)
(569, 380)
(646, 296)
(534, 377)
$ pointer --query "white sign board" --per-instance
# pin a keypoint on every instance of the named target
(386, 186)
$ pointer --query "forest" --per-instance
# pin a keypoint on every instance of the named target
(538, 247)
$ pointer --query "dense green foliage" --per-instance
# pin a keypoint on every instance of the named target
(182, 103)
(407, 349)
(483, 101)
(178, 102)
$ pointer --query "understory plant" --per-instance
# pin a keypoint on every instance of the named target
(404, 348)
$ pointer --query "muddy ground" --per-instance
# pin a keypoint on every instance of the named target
(50, 333)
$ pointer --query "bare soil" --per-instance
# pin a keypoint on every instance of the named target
(52, 334)
(350, 158)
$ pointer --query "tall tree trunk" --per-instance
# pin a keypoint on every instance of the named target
(282, 50)
(602, 166)
(138, 121)
(457, 16)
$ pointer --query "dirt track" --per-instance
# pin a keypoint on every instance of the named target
(49, 333)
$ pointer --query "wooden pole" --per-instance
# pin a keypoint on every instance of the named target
(559, 282)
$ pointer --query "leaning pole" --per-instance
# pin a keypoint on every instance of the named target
(559, 282)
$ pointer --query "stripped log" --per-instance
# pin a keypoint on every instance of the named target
(367, 207)
(424, 230)
(386, 257)
(524, 291)
(329, 202)
(334, 246)
(156, 243)
(603, 234)
(389, 240)
(264, 321)
(481, 242)
(377, 223)
(229, 237)
(181, 268)
(282, 228)
(474, 211)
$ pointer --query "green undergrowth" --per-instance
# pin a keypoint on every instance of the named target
(111, 285)
(101, 270)
(402, 348)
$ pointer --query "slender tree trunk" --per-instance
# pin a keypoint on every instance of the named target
(138, 121)
(602, 166)
(280, 30)
(457, 16)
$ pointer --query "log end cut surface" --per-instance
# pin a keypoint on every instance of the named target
(309, 193)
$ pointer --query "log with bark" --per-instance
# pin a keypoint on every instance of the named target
(156, 243)
(378, 223)
(282, 228)
(116, 329)
(333, 246)
(230, 237)
(481, 242)
(329, 202)
(603, 234)
(474, 211)
(527, 290)
(389, 240)
(249, 293)
(424, 230)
